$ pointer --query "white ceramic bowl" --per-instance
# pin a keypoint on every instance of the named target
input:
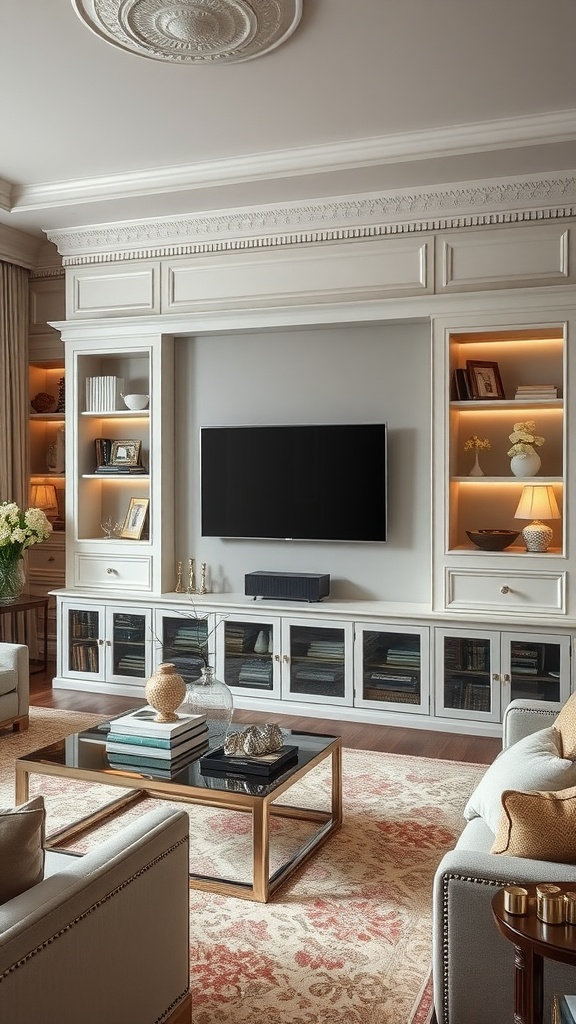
(135, 401)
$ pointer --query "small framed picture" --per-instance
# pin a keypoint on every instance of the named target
(125, 453)
(485, 379)
(135, 521)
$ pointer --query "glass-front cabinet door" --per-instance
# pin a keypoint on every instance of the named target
(468, 683)
(248, 654)
(535, 666)
(317, 664)
(186, 639)
(129, 643)
(392, 668)
(83, 635)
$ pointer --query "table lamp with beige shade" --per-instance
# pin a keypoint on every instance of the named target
(44, 496)
(538, 502)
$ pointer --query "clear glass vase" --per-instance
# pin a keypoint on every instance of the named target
(210, 696)
(12, 577)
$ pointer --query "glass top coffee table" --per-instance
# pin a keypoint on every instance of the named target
(83, 756)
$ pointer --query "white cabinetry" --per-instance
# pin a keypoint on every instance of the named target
(466, 577)
(105, 646)
(144, 363)
(478, 672)
(392, 668)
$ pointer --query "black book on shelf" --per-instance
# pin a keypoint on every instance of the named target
(462, 385)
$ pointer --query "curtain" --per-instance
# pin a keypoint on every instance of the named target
(14, 405)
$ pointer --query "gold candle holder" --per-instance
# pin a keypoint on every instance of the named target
(570, 907)
(515, 899)
(549, 903)
(179, 587)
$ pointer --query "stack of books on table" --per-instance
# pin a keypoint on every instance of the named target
(536, 392)
(136, 741)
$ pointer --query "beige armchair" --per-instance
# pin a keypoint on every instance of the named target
(14, 686)
(103, 938)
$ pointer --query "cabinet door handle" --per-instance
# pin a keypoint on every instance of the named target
(286, 658)
(505, 678)
(51, 559)
(504, 590)
(495, 677)
(276, 657)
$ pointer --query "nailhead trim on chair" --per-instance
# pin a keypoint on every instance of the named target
(496, 884)
(90, 910)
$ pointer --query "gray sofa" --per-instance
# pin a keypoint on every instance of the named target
(14, 686)
(104, 937)
(473, 965)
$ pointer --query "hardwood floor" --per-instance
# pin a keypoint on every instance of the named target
(393, 739)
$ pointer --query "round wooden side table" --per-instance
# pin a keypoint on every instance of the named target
(534, 941)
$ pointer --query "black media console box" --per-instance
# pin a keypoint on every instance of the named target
(287, 586)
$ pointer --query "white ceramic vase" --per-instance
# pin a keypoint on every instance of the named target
(525, 465)
(476, 468)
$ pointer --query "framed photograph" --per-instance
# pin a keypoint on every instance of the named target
(125, 453)
(485, 380)
(135, 521)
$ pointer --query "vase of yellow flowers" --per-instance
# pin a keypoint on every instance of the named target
(18, 531)
(477, 444)
(524, 459)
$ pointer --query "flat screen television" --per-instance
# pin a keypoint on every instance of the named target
(322, 482)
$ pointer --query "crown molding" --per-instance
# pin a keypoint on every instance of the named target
(462, 205)
(5, 195)
(431, 144)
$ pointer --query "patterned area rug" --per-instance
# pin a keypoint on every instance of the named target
(348, 938)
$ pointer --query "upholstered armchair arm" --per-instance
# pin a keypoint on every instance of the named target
(15, 658)
(105, 938)
(473, 963)
(523, 717)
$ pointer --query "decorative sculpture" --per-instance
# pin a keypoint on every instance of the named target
(255, 740)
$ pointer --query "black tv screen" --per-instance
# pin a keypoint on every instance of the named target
(309, 482)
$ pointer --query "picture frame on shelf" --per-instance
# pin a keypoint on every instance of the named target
(485, 379)
(125, 453)
(134, 526)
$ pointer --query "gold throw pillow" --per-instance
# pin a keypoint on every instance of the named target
(566, 726)
(541, 826)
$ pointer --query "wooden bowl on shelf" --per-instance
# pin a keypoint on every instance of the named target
(492, 540)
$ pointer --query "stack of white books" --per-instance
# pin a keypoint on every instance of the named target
(536, 392)
(103, 394)
(137, 741)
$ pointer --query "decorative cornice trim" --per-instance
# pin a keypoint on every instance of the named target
(429, 144)
(405, 211)
(5, 195)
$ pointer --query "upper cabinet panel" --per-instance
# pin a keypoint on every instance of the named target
(316, 273)
(518, 257)
(127, 289)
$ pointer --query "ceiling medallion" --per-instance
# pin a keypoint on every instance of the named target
(192, 31)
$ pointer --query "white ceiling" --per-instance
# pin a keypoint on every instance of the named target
(366, 95)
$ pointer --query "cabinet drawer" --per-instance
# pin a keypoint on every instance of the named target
(506, 591)
(115, 573)
(47, 559)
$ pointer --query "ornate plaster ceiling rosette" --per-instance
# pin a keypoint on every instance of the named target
(192, 31)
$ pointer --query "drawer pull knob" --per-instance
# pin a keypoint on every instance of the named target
(110, 571)
(51, 559)
(504, 590)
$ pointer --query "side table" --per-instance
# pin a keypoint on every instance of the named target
(534, 941)
(26, 603)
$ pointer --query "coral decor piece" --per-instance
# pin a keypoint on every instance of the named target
(192, 31)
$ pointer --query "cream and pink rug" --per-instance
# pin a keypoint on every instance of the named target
(348, 939)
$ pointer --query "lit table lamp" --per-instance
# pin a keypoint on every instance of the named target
(537, 502)
(44, 496)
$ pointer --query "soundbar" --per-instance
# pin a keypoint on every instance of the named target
(287, 586)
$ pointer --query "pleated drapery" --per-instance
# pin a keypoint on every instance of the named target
(14, 408)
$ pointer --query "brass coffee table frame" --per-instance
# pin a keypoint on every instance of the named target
(260, 807)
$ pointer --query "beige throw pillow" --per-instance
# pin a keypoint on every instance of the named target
(565, 723)
(22, 831)
(541, 826)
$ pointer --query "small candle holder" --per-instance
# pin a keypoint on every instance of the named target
(179, 585)
(570, 907)
(515, 899)
(192, 588)
(549, 903)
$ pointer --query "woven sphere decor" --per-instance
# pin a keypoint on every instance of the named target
(192, 31)
(43, 402)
